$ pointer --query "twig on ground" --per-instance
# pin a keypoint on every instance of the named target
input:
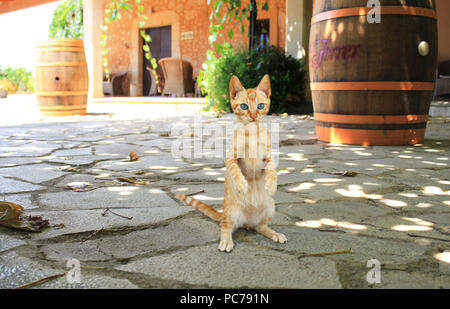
(324, 253)
(122, 216)
(93, 234)
(39, 281)
(195, 193)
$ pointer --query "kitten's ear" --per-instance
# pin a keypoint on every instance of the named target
(235, 87)
(264, 86)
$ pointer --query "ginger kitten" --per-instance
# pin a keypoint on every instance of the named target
(250, 178)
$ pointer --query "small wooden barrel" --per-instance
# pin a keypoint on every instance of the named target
(371, 82)
(61, 78)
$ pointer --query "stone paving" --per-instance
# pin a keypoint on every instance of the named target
(396, 208)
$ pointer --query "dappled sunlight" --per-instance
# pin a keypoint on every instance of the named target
(213, 173)
(393, 203)
(295, 157)
(419, 221)
(199, 196)
(162, 167)
(443, 257)
(123, 191)
(325, 222)
(411, 228)
(356, 191)
(431, 190)
(327, 180)
(203, 197)
(152, 151)
(181, 190)
(78, 184)
(420, 225)
(302, 187)
(307, 170)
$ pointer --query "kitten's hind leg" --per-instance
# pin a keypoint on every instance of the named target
(263, 229)
(226, 230)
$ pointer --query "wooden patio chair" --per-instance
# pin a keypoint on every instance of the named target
(177, 76)
(443, 79)
(113, 87)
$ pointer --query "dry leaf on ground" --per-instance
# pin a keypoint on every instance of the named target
(132, 180)
(133, 156)
(346, 174)
(11, 216)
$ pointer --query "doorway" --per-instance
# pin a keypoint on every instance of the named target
(160, 47)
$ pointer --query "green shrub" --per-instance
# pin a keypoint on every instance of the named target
(20, 78)
(68, 20)
(287, 77)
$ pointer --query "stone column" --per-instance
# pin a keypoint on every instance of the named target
(93, 18)
(298, 19)
(298, 26)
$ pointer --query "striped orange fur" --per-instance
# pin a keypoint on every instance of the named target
(250, 178)
(200, 206)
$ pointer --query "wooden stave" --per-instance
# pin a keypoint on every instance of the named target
(324, 6)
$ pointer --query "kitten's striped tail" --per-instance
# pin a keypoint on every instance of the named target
(200, 206)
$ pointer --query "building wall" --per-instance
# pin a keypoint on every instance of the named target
(443, 10)
(14, 5)
(185, 16)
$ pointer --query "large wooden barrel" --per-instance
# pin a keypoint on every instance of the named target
(371, 82)
(61, 78)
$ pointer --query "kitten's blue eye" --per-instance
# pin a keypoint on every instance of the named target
(244, 107)
(261, 106)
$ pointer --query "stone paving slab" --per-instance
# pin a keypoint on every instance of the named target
(176, 234)
(363, 248)
(396, 209)
(162, 163)
(415, 201)
(108, 197)
(89, 282)
(36, 173)
(33, 149)
(23, 199)
(354, 211)
(8, 243)
(13, 186)
(16, 270)
(82, 221)
(328, 188)
(403, 280)
(11, 161)
(244, 268)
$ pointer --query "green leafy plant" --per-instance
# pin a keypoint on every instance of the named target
(225, 11)
(113, 13)
(68, 20)
(287, 77)
(20, 78)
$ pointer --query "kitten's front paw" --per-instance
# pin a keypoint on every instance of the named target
(271, 187)
(242, 184)
(226, 245)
